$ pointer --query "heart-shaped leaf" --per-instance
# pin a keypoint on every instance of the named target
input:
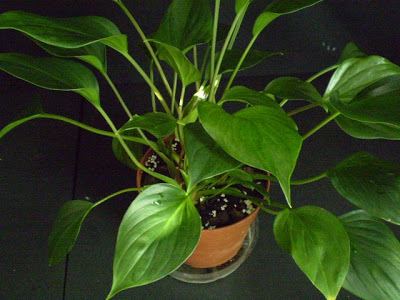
(175, 58)
(319, 245)
(66, 229)
(93, 54)
(356, 74)
(72, 32)
(232, 57)
(249, 96)
(206, 158)
(379, 104)
(52, 73)
(161, 220)
(186, 23)
(369, 183)
(351, 50)
(278, 8)
(293, 88)
(374, 271)
(263, 137)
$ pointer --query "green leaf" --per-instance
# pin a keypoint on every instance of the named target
(351, 50)
(157, 234)
(374, 271)
(319, 245)
(239, 4)
(232, 58)
(379, 104)
(369, 183)
(246, 95)
(93, 54)
(157, 123)
(186, 23)
(278, 8)
(72, 32)
(206, 158)
(66, 229)
(175, 58)
(293, 88)
(53, 74)
(356, 74)
(263, 137)
(365, 130)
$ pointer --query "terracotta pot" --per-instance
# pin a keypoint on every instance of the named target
(216, 246)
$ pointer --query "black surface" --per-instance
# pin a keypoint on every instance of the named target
(45, 163)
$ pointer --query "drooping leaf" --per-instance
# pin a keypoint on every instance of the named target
(319, 245)
(72, 32)
(186, 23)
(278, 8)
(232, 58)
(174, 57)
(157, 123)
(379, 104)
(52, 73)
(374, 271)
(93, 54)
(369, 183)
(356, 74)
(206, 158)
(161, 220)
(293, 88)
(351, 50)
(246, 95)
(263, 137)
(66, 229)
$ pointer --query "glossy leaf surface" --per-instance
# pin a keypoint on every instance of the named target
(186, 23)
(374, 271)
(293, 88)
(369, 183)
(157, 234)
(319, 245)
(206, 158)
(263, 137)
(53, 74)
(66, 229)
(72, 32)
(278, 8)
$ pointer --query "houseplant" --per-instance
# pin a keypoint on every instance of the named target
(219, 147)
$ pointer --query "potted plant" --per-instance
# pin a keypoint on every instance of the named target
(208, 168)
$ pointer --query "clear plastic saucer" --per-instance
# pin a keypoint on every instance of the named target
(189, 274)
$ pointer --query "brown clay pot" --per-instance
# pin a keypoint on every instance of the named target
(216, 246)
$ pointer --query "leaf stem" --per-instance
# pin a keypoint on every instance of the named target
(214, 43)
(156, 91)
(309, 180)
(173, 102)
(146, 43)
(196, 64)
(152, 95)
(242, 58)
(129, 152)
(322, 72)
(120, 192)
(320, 125)
(302, 109)
(117, 94)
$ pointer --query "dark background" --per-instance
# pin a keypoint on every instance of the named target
(45, 163)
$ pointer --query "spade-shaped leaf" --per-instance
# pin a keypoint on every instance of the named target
(52, 73)
(206, 158)
(185, 24)
(158, 232)
(263, 137)
(319, 245)
(72, 32)
(249, 96)
(293, 88)
(369, 183)
(66, 229)
(374, 271)
(278, 8)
